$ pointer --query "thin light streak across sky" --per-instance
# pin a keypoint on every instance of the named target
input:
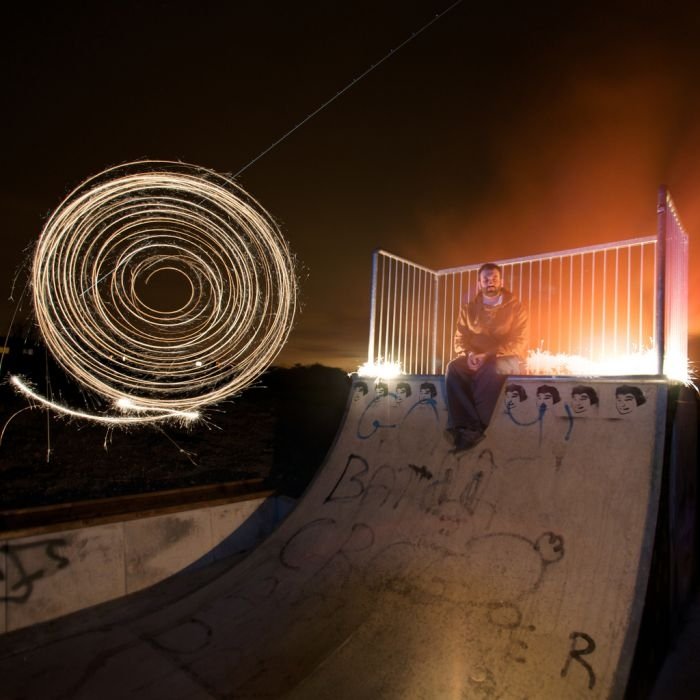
(101, 248)
(366, 72)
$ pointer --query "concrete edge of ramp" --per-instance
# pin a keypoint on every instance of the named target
(407, 570)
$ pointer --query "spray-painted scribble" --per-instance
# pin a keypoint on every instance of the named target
(31, 566)
(577, 652)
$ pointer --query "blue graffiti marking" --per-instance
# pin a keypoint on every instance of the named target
(376, 424)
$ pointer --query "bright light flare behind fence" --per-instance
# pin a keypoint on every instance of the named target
(380, 370)
(106, 243)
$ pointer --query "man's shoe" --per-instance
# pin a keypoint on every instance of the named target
(465, 439)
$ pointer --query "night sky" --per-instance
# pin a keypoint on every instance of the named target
(497, 132)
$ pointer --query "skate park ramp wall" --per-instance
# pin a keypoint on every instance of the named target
(68, 568)
(515, 569)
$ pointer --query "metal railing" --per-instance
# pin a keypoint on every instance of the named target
(672, 287)
(593, 302)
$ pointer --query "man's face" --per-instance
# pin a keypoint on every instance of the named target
(625, 403)
(490, 283)
(512, 399)
(580, 403)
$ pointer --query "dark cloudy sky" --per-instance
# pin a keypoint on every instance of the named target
(500, 131)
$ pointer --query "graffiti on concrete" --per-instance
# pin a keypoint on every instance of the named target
(577, 652)
(27, 563)
(388, 410)
(410, 553)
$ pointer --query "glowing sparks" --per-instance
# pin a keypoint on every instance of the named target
(677, 366)
(380, 370)
(151, 414)
(642, 362)
(110, 237)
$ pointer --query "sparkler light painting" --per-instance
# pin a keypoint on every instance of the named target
(114, 236)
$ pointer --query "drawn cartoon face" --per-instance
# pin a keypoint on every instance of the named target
(425, 394)
(545, 399)
(580, 403)
(625, 403)
(400, 394)
(357, 394)
(512, 399)
(381, 390)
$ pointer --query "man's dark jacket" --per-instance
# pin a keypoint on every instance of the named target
(498, 331)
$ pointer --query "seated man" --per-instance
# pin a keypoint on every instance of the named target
(491, 342)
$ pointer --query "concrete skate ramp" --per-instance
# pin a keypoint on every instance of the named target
(514, 570)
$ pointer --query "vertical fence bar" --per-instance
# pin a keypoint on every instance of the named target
(378, 354)
(640, 337)
(399, 356)
(580, 313)
(452, 319)
(435, 324)
(393, 315)
(549, 303)
(571, 304)
(424, 335)
(383, 356)
(592, 331)
(520, 282)
(372, 306)
(661, 206)
(605, 301)
(560, 285)
(629, 298)
(617, 286)
(411, 335)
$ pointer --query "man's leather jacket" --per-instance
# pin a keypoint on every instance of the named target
(498, 331)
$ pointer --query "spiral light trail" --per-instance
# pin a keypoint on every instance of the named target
(106, 242)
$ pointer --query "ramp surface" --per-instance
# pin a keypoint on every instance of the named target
(514, 570)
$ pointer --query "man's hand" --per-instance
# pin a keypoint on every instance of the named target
(475, 360)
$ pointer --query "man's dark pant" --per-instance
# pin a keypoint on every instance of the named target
(471, 396)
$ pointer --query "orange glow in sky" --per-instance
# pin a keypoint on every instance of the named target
(492, 135)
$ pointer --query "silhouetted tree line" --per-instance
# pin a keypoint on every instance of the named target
(280, 428)
(310, 405)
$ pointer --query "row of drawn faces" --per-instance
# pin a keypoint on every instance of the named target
(583, 398)
(426, 392)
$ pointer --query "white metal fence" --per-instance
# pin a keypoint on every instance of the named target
(594, 302)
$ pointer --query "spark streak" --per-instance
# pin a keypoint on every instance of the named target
(161, 414)
(109, 237)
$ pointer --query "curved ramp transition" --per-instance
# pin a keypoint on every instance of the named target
(514, 570)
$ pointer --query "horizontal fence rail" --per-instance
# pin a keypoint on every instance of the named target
(597, 302)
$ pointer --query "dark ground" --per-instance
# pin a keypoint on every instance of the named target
(280, 429)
